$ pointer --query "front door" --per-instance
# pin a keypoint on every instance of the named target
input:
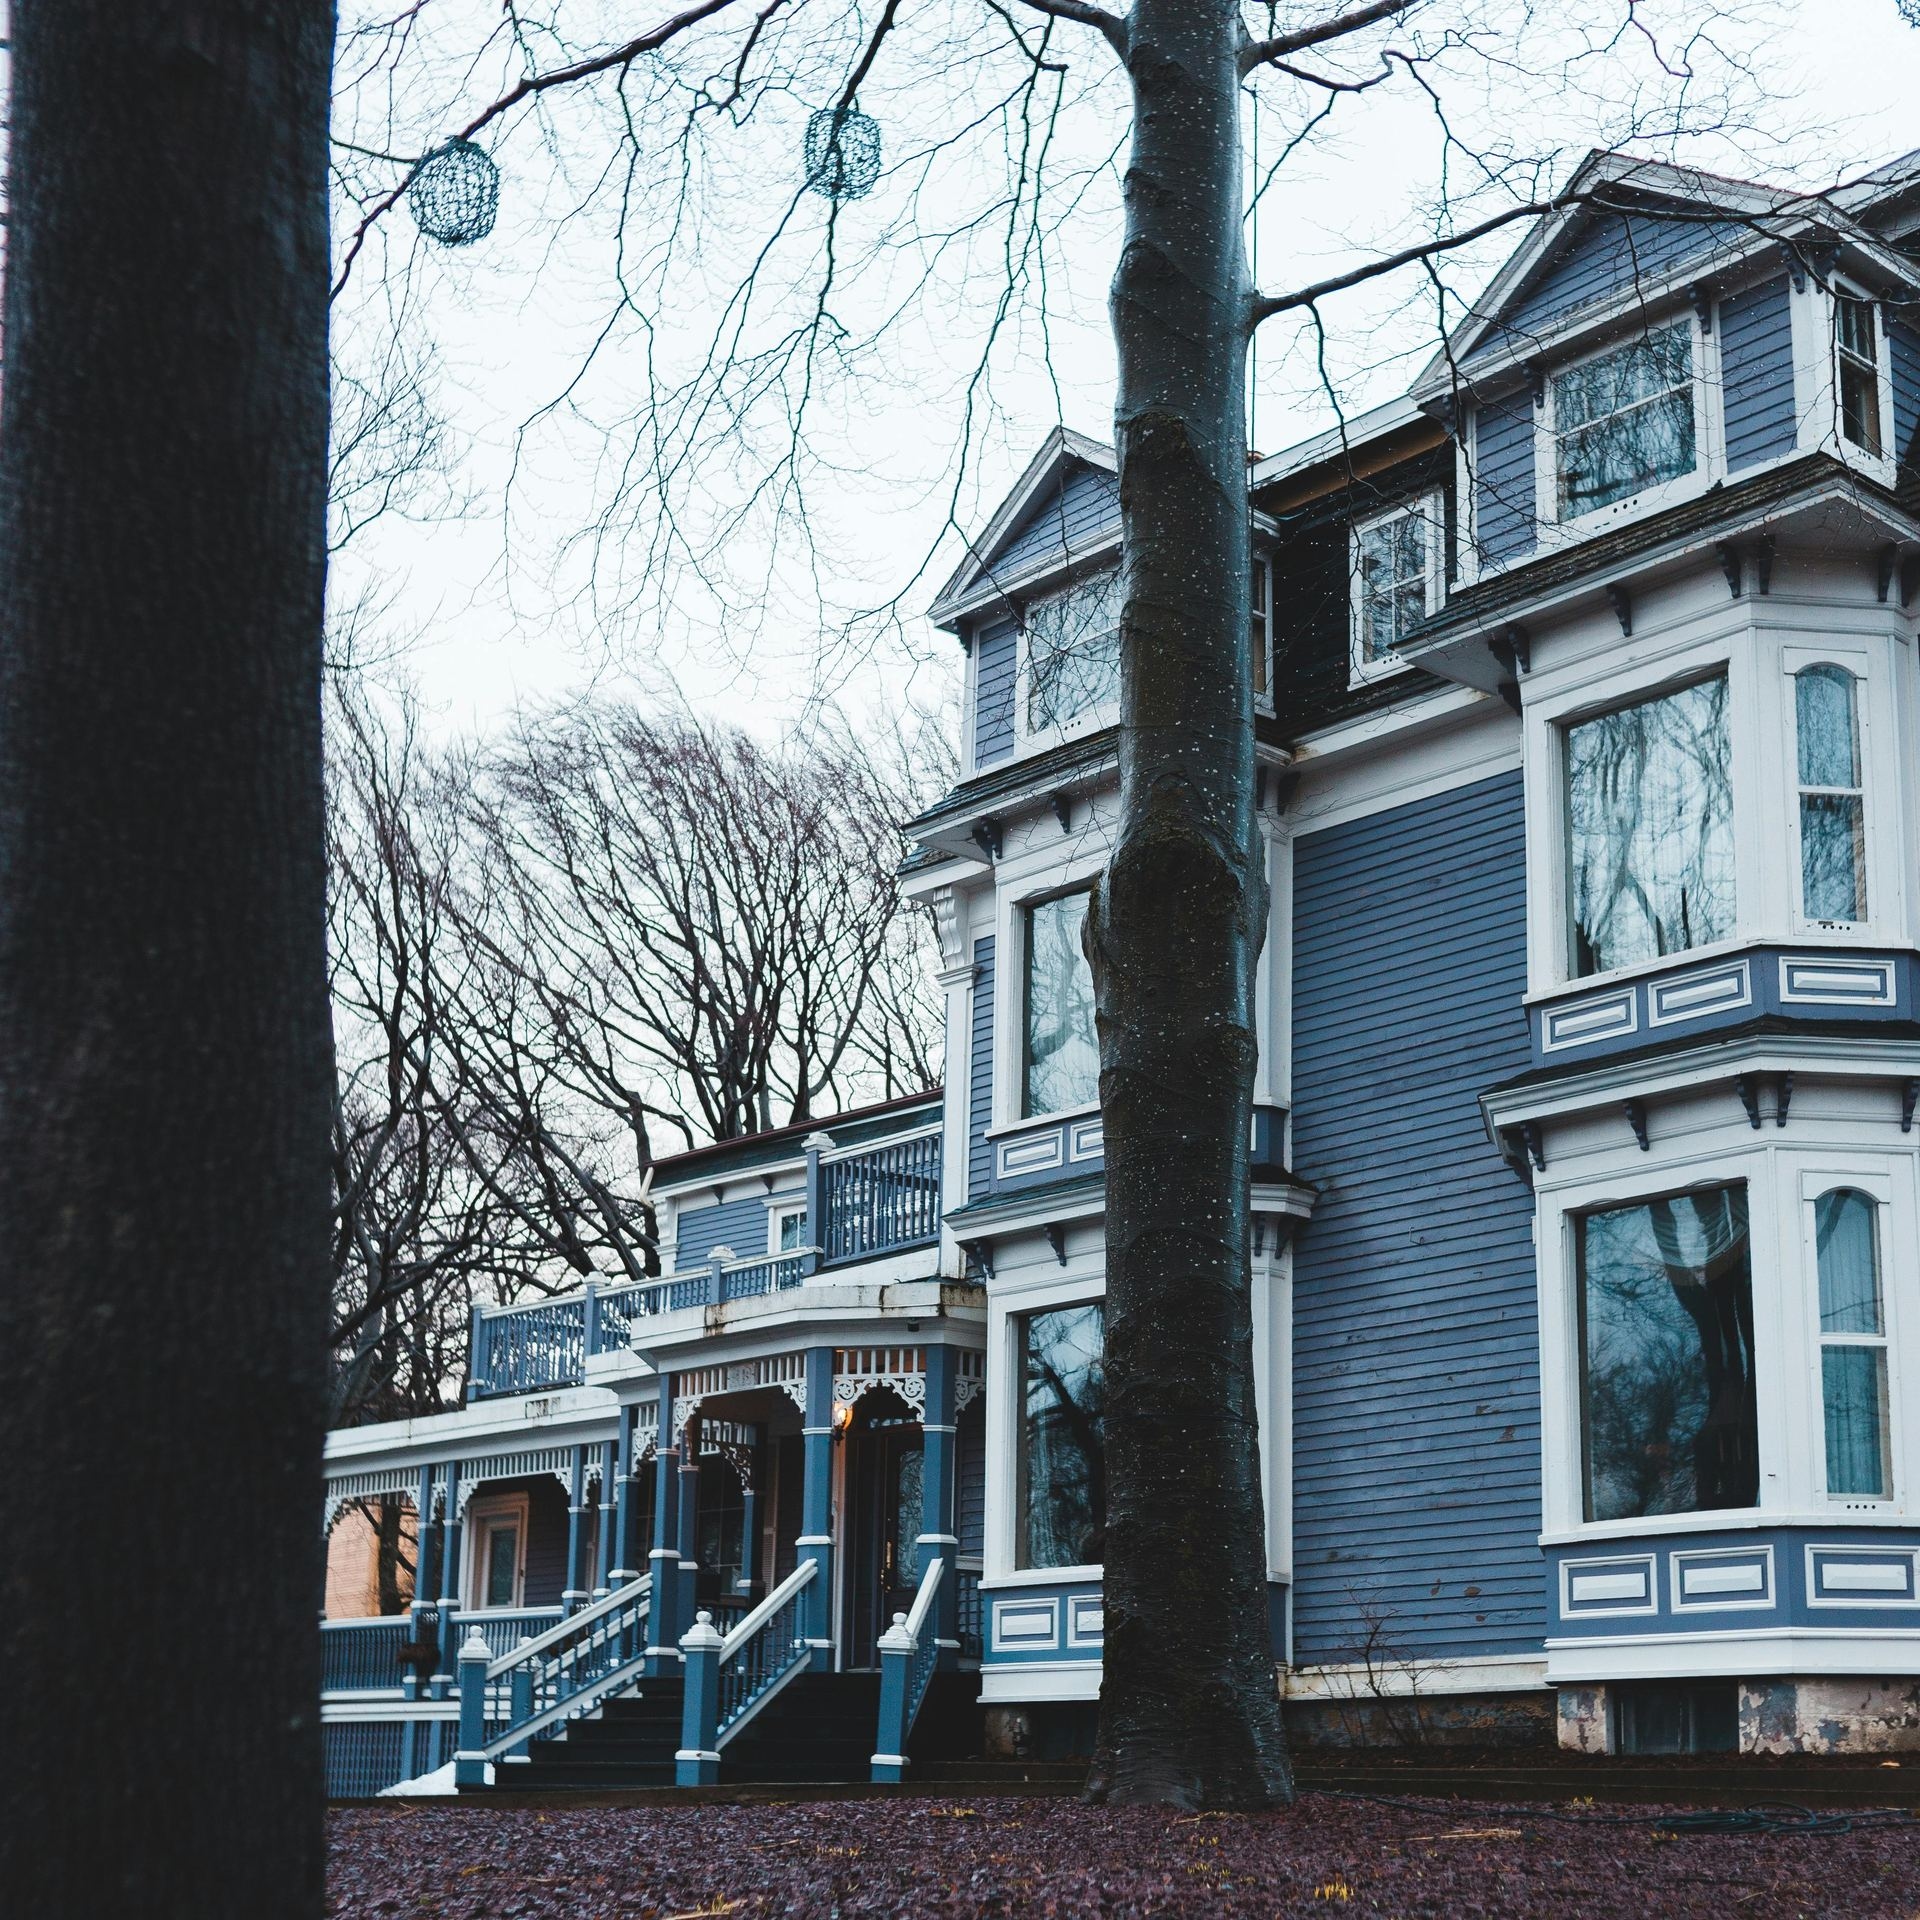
(883, 1525)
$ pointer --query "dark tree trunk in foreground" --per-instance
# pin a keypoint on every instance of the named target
(1189, 1709)
(164, 1071)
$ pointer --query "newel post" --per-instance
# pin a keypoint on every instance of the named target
(469, 1762)
(697, 1764)
(896, 1668)
(816, 1144)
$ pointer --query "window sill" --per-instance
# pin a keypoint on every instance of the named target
(1034, 1122)
(1043, 1577)
(1723, 1520)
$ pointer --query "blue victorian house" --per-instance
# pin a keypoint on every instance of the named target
(1586, 1261)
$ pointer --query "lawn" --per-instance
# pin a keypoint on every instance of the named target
(1057, 1860)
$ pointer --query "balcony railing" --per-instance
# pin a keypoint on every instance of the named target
(876, 1200)
(868, 1201)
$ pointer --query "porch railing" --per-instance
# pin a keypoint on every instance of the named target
(504, 1629)
(969, 1612)
(363, 1656)
(731, 1677)
(909, 1654)
(506, 1699)
(523, 1349)
(876, 1200)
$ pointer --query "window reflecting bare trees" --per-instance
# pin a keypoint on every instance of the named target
(1650, 829)
(1668, 1410)
(1063, 1474)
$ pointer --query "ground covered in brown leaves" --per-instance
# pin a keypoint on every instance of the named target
(1057, 1860)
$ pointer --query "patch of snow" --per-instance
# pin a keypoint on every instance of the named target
(428, 1786)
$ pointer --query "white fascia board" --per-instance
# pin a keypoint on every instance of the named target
(828, 1312)
(1734, 1655)
(996, 589)
(562, 1413)
(924, 882)
(1387, 730)
(1037, 1682)
(1817, 1055)
(1403, 1679)
(791, 1164)
(1335, 441)
(1060, 445)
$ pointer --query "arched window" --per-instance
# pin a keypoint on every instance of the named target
(1853, 1344)
(1833, 827)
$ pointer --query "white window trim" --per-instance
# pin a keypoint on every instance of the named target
(480, 1510)
(1027, 737)
(1010, 971)
(1261, 574)
(1857, 660)
(1006, 1412)
(1709, 439)
(779, 1212)
(1881, 466)
(1363, 670)
(1876, 1181)
(1550, 935)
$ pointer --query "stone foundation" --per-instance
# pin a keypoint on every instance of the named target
(1775, 1716)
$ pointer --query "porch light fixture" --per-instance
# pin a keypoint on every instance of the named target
(842, 1418)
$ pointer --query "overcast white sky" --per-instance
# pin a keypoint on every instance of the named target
(492, 604)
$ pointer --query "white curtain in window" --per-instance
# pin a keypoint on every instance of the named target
(1853, 1360)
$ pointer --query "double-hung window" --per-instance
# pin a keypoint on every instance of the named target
(1073, 653)
(1623, 422)
(1668, 1406)
(1650, 829)
(1853, 1344)
(1061, 1064)
(1833, 819)
(1856, 342)
(1062, 1479)
(1396, 573)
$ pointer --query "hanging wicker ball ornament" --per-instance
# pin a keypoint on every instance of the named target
(843, 152)
(454, 195)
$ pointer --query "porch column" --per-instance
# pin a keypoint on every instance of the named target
(663, 1557)
(688, 1570)
(576, 1596)
(423, 1569)
(449, 1584)
(816, 1506)
(607, 1520)
(749, 1527)
(939, 1535)
(626, 1507)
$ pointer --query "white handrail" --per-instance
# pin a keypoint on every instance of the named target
(562, 1628)
(874, 1146)
(767, 1608)
(923, 1600)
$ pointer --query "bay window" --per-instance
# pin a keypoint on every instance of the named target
(1624, 421)
(1060, 1065)
(1062, 1479)
(1853, 1344)
(1669, 1419)
(1073, 653)
(1650, 829)
(1833, 837)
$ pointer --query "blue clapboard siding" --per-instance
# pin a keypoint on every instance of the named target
(970, 1482)
(1080, 509)
(1416, 1476)
(1903, 350)
(1756, 358)
(993, 674)
(980, 1074)
(1503, 489)
(1603, 257)
(739, 1224)
(547, 1524)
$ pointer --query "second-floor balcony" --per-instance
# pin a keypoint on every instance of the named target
(863, 1204)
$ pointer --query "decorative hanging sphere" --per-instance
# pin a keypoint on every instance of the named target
(454, 194)
(843, 152)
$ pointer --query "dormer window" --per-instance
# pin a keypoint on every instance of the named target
(1623, 422)
(1073, 653)
(1396, 582)
(1857, 347)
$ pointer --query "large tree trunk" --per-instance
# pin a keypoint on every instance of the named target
(164, 1054)
(1189, 1708)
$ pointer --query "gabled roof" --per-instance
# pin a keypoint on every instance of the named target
(979, 581)
(1672, 219)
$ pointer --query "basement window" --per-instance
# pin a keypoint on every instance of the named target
(1699, 1716)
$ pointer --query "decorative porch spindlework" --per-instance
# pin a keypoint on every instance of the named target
(343, 1489)
(785, 1371)
(520, 1465)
